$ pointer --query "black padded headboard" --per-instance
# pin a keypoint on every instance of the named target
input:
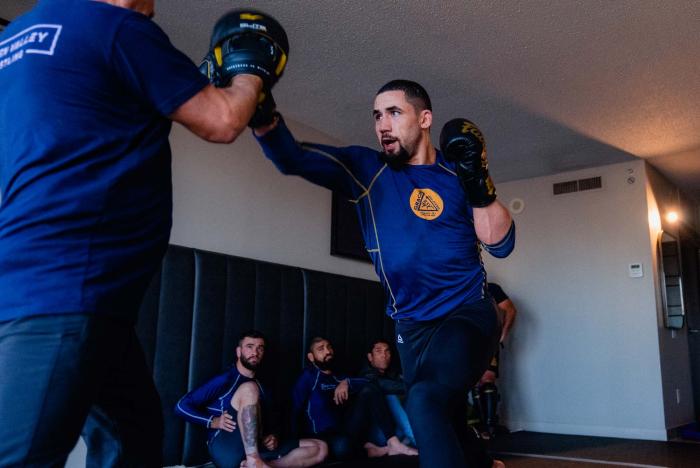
(201, 301)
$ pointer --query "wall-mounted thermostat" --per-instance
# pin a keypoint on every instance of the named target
(636, 270)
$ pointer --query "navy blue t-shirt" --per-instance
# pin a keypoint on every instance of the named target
(85, 175)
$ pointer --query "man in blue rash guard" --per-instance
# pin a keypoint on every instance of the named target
(341, 410)
(424, 221)
(236, 410)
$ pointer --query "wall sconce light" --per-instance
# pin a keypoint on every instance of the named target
(672, 216)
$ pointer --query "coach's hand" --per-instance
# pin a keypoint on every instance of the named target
(463, 143)
(224, 422)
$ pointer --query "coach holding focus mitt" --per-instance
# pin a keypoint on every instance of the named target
(87, 104)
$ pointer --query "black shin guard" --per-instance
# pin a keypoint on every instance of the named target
(488, 404)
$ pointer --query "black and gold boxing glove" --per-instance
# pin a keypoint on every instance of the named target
(462, 142)
(265, 111)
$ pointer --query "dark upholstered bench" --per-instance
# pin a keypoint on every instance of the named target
(201, 301)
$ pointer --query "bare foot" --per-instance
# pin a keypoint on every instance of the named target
(374, 451)
(498, 464)
(397, 448)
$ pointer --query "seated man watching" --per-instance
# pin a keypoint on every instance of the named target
(380, 372)
(235, 408)
(341, 410)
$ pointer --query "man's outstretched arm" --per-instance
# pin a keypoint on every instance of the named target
(328, 166)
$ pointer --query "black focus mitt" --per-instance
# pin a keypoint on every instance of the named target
(251, 42)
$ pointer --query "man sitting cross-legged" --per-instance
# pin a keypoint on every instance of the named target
(234, 406)
(341, 410)
(381, 371)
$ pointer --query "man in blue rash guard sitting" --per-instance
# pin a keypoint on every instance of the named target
(425, 216)
(236, 411)
(341, 410)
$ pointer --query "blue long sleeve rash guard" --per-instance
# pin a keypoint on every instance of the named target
(210, 400)
(416, 223)
(312, 401)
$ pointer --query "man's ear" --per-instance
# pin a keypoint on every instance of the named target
(369, 357)
(238, 352)
(310, 357)
(426, 119)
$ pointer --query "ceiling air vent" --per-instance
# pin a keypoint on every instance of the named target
(580, 185)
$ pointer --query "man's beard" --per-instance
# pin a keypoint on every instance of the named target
(396, 161)
(324, 365)
(249, 365)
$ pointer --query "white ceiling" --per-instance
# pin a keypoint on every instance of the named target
(554, 84)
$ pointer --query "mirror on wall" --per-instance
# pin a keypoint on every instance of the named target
(670, 275)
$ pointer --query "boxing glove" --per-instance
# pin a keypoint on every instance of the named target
(462, 142)
(265, 111)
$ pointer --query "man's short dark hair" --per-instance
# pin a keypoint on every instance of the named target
(415, 93)
(376, 342)
(251, 334)
(314, 340)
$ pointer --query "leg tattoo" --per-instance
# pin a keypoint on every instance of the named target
(249, 428)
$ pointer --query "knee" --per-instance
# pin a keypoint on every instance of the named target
(248, 393)
(321, 453)
(425, 391)
(488, 377)
(426, 396)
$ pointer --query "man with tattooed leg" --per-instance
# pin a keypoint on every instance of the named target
(236, 411)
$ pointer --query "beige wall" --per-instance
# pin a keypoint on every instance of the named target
(231, 199)
(584, 354)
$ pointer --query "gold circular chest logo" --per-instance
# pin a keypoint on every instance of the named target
(426, 204)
